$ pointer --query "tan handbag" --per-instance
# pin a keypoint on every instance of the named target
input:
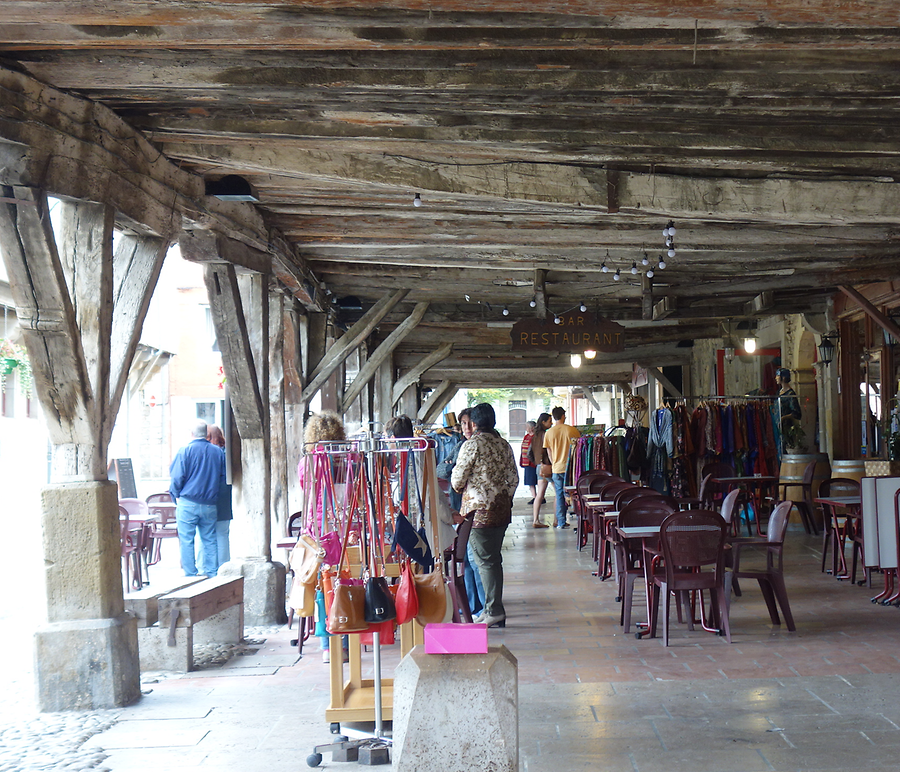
(302, 598)
(306, 559)
(434, 597)
(547, 471)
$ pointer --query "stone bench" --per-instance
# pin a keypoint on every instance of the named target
(167, 643)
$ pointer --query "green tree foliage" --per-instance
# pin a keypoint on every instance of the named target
(491, 396)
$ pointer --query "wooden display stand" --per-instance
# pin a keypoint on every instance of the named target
(354, 699)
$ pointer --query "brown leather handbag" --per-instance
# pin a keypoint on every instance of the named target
(348, 608)
(435, 603)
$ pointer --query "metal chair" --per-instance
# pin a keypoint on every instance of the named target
(161, 509)
(130, 550)
(804, 503)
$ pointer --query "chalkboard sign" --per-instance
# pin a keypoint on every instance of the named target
(121, 471)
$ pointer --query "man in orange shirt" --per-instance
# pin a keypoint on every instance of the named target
(557, 441)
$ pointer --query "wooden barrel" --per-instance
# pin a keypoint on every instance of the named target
(792, 467)
(851, 468)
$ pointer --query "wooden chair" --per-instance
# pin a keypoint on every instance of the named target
(693, 559)
(771, 577)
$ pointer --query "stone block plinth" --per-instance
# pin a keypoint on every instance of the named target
(87, 664)
(456, 712)
(264, 589)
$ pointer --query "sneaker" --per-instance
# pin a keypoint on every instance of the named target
(566, 525)
(326, 656)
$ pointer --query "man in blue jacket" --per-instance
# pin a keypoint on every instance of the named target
(196, 473)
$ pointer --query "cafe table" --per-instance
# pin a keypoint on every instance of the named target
(755, 486)
(852, 504)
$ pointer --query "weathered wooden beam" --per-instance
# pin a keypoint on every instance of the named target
(540, 293)
(663, 308)
(437, 400)
(47, 317)
(384, 350)
(138, 261)
(205, 246)
(886, 324)
(666, 383)
(412, 376)
(762, 302)
(589, 396)
(233, 333)
(349, 341)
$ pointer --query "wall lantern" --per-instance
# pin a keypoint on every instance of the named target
(826, 348)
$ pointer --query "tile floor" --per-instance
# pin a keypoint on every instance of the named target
(824, 698)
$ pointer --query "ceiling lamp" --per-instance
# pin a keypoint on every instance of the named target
(417, 200)
(582, 307)
(646, 260)
(556, 319)
(750, 344)
(575, 360)
(505, 311)
(669, 230)
(231, 188)
(590, 354)
(827, 348)
(633, 267)
(729, 353)
(662, 263)
(650, 273)
(616, 275)
(533, 301)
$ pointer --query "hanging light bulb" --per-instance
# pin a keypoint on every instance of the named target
(633, 267)
(616, 275)
(749, 345)
(671, 252)
(575, 360)
(533, 301)
(729, 354)
(646, 260)
(662, 263)
(650, 273)
(582, 307)
(417, 200)
(604, 268)
(590, 354)
(556, 319)
(505, 311)
(669, 230)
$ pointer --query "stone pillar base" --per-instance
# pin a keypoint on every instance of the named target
(456, 712)
(88, 664)
(264, 585)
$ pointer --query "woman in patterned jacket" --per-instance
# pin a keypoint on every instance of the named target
(486, 475)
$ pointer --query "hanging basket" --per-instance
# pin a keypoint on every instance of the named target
(7, 366)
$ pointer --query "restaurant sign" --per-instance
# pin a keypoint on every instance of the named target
(577, 332)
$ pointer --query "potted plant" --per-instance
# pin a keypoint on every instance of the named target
(13, 357)
(794, 436)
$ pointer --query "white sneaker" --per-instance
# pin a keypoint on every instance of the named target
(326, 656)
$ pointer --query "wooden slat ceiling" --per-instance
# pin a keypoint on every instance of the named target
(550, 136)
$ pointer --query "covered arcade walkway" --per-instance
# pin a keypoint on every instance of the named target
(823, 698)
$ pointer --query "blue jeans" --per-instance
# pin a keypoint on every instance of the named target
(474, 587)
(223, 546)
(191, 517)
(559, 482)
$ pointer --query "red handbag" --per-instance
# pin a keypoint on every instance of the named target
(407, 601)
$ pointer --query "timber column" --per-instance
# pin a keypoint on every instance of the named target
(81, 324)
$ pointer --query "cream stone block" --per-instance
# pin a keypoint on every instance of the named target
(456, 712)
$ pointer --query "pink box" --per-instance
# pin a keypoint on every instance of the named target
(456, 639)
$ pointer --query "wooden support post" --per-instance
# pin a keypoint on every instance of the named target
(436, 401)
(540, 293)
(350, 340)
(426, 363)
(367, 371)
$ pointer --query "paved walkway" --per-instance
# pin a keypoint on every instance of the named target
(824, 698)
